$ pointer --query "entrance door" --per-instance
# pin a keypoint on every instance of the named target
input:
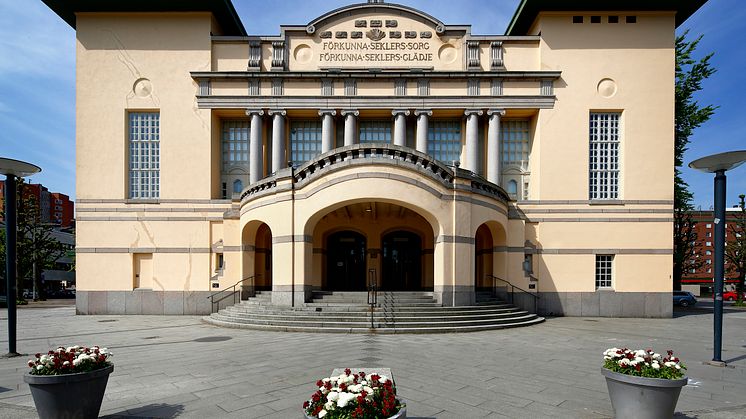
(143, 271)
(345, 261)
(402, 262)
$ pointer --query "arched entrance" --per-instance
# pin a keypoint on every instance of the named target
(401, 261)
(484, 261)
(263, 258)
(345, 261)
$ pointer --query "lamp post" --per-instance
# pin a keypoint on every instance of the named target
(719, 164)
(12, 169)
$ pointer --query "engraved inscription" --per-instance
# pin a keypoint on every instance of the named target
(325, 35)
(360, 23)
(410, 34)
(392, 23)
(341, 35)
(426, 34)
(356, 34)
(376, 23)
(395, 34)
(366, 52)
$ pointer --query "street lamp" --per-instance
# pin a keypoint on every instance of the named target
(719, 164)
(12, 169)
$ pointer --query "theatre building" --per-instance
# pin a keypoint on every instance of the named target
(375, 144)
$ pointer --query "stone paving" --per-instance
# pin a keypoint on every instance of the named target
(178, 366)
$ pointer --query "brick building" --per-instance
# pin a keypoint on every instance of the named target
(54, 207)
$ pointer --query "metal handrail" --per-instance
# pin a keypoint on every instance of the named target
(512, 291)
(235, 294)
(372, 294)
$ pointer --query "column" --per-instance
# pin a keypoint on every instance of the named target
(278, 139)
(493, 145)
(327, 134)
(422, 121)
(255, 145)
(400, 126)
(472, 140)
(350, 125)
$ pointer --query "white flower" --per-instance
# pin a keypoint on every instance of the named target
(656, 366)
(322, 413)
(345, 398)
(368, 390)
(39, 367)
(639, 359)
(332, 396)
(383, 379)
(76, 362)
(678, 367)
(66, 363)
(329, 405)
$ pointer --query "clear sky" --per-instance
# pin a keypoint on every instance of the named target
(37, 77)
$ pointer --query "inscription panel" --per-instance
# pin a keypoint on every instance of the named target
(371, 40)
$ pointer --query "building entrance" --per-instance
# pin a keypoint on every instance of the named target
(346, 261)
(402, 262)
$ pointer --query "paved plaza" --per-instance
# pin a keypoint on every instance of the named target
(178, 366)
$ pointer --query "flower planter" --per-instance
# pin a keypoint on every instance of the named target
(401, 414)
(642, 398)
(76, 395)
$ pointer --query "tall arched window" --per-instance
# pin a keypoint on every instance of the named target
(513, 188)
(237, 186)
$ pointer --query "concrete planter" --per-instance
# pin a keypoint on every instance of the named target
(642, 398)
(70, 395)
(401, 414)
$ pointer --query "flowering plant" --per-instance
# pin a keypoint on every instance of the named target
(70, 360)
(350, 395)
(643, 363)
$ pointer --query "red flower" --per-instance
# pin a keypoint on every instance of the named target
(319, 383)
(347, 371)
(305, 404)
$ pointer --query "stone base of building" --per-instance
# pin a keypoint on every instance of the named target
(605, 304)
(142, 301)
(283, 295)
(458, 295)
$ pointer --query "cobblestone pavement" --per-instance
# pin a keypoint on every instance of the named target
(178, 366)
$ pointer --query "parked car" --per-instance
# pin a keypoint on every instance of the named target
(732, 296)
(684, 298)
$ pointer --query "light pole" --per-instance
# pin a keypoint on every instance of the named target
(719, 164)
(12, 169)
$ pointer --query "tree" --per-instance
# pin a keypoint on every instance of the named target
(36, 248)
(690, 73)
(735, 251)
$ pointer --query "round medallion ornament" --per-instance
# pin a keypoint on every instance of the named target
(142, 87)
(303, 53)
(447, 53)
(607, 88)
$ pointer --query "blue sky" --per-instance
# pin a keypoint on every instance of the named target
(37, 77)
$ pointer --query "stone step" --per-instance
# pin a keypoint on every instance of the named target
(377, 312)
(347, 317)
(393, 330)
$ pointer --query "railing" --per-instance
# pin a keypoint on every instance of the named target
(230, 293)
(510, 291)
(372, 294)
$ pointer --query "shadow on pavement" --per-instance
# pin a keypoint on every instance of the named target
(154, 410)
(705, 307)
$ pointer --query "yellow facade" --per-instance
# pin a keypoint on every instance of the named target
(423, 157)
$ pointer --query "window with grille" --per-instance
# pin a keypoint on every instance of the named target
(236, 142)
(378, 131)
(604, 156)
(603, 270)
(305, 141)
(444, 140)
(144, 155)
(514, 140)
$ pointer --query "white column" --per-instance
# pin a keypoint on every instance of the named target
(472, 140)
(422, 122)
(255, 145)
(493, 145)
(278, 139)
(400, 126)
(350, 125)
(327, 135)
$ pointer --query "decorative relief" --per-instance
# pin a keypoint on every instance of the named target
(255, 54)
(447, 53)
(392, 23)
(410, 34)
(143, 87)
(472, 87)
(496, 87)
(356, 34)
(426, 35)
(340, 35)
(278, 55)
(376, 34)
(607, 88)
(350, 87)
(400, 87)
(547, 88)
(496, 55)
(361, 23)
(423, 87)
(376, 23)
(472, 55)
(254, 87)
(325, 35)
(303, 53)
(327, 87)
(277, 87)
(395, 34)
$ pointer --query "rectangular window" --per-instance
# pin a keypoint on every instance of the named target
(305, 141)
(144, 155)
(708, 252)
(708, 234)
(604, 156)
(708, 244)
(377, 131)
(708, 225)
(514, 143)
(444, 140)
(236, 143)
(603, 270)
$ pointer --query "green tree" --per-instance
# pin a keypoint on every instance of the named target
(36, 248)
(690, 72)
(735, 251)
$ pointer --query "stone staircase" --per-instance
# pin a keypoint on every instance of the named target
(348, 312)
